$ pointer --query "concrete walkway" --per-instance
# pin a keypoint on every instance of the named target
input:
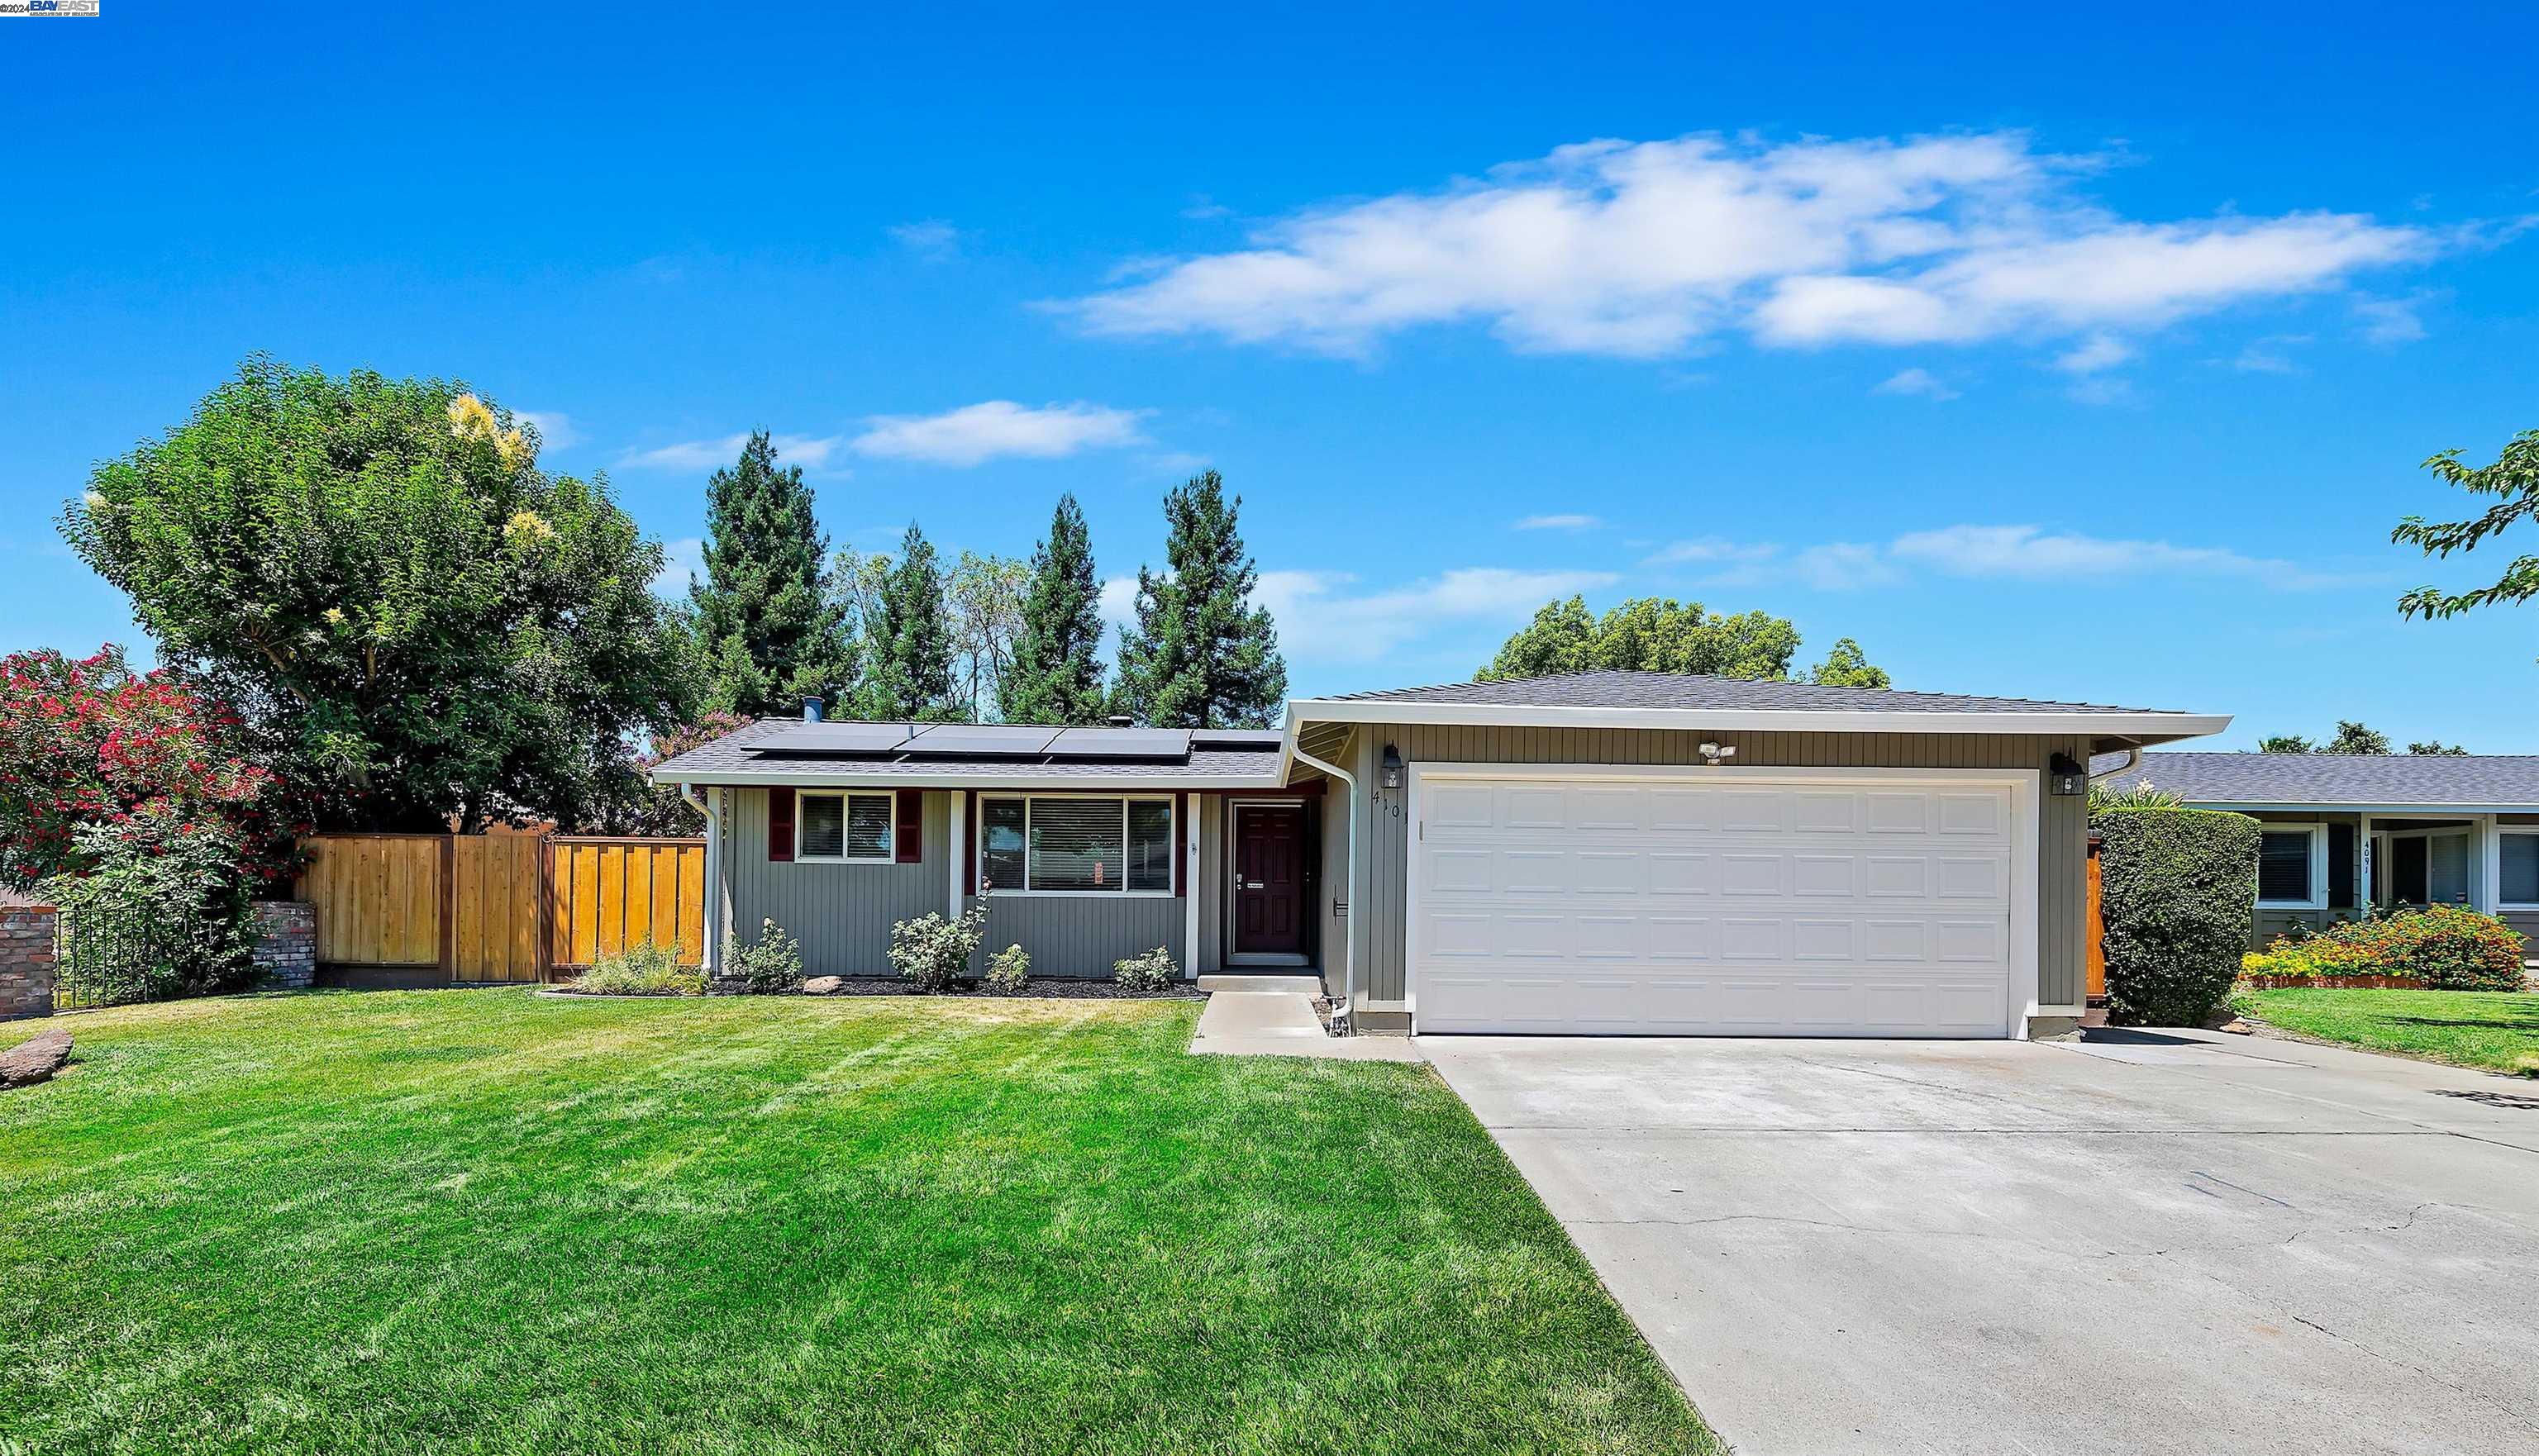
(1273, 1015)
(2179, 1242)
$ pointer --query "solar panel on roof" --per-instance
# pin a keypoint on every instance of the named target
(979, 741)
(1123, 743)
(834, 738)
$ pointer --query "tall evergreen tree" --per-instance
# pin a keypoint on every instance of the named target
(1056, 675)
(1201, 655)
(770, 630)
(908, 641)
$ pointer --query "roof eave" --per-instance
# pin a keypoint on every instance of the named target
(2142, 727)
(2355, 806)
(806, 778)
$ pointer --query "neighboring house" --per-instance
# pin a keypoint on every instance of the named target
(1605, 852)
(2347, 830)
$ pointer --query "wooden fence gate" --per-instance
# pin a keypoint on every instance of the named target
(501, 907)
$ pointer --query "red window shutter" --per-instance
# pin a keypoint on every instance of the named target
(977, 838)
(780, 825)
(1181, 835)
(907, 837)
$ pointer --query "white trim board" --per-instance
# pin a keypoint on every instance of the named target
(2067, 722)
(2024, 998)
(2318, 867)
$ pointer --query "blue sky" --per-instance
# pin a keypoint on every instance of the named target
(2045, 359)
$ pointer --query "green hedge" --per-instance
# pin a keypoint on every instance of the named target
(2178, 888)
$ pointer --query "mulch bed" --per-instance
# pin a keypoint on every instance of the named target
(1048, 990)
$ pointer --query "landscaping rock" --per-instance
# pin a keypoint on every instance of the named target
(31, 1062)
(825, 985)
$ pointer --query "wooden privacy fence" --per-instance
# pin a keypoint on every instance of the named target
(501, 907)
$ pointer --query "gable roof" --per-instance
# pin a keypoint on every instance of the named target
(1691, 700)
(790, 750)
(2342, 780)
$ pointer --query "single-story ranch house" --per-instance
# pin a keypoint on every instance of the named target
(2345, 831)
(1605, 852)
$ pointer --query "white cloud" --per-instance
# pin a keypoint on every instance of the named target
(2020, 553)
(2268, 356)
(1564, 522)
(935, 239)
(555, 429)
(2032, 554)
(976, 433)
(811, 452)
(686, 558)
(1319, 621)
(1709, 550)
(1120, 600)
(1920, 383)
(2096, 353)
(2391, 320)
(1646, 248)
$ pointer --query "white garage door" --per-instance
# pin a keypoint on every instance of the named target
(1732, 904)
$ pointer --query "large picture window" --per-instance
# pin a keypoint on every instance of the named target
(1064, 845)
(2292, 867)
(852, 829)
(2521, 868)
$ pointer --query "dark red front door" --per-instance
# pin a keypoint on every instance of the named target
(1269, 880)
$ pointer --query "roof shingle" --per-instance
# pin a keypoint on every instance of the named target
(2330, 779)
(1636, 689)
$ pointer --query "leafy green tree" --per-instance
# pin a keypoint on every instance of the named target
(1056, 672)
(908, 641)
(2514, 479)
(2353, 738)
(772, 633)
(1201, 655)
(2438, 750)
(985, 595)
(1847, 666)
(418, 624)
(1660, 635)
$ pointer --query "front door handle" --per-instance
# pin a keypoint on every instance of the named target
(1252, 885)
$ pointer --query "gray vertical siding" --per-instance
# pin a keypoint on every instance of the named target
(1077, 936)
(841, 913)
(1384, 837)
(1331, 891)
(1212, 877)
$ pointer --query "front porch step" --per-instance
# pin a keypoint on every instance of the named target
(1242, 983)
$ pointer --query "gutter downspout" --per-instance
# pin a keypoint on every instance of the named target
(2133, 761)
(710, 939)
(1349, 924)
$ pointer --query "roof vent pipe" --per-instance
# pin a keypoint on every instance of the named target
(1122, 720)
(811, 710)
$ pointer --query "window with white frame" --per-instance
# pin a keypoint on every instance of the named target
(2518, 881)
(1075, 844)
(2292, 867)
(845, 828)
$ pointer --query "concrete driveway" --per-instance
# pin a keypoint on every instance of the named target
(2172, 1242)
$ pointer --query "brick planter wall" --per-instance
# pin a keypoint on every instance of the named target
(25, 962)
(286, 944)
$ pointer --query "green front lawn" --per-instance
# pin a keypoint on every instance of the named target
(490, 1221)
(2493, 1029)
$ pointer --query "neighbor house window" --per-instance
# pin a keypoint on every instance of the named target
(1074, 845)
(852, 828)
(2292, 872)
(2521, 868)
